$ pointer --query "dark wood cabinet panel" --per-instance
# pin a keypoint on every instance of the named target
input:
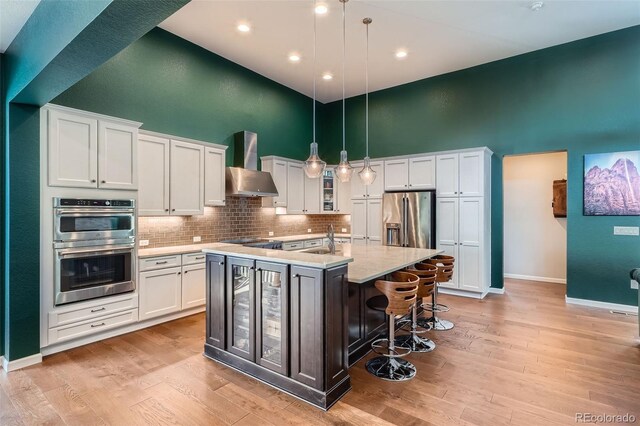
(356, 314)
(374, 320)
(336, 326)
(240, 309)
(307, 319)
(272, 316)
(215, 300)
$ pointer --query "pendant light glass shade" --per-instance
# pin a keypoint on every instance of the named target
(343, 169)
(314, 166)
(367, 174)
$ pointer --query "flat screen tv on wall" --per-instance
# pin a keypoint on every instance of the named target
(612, 184)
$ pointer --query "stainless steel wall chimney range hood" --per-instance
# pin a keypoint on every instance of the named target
(244, 179)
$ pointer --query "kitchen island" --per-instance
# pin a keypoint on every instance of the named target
(297, 320)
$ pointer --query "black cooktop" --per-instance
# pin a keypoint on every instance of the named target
(256, 242)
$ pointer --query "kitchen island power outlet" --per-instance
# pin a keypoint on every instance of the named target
(308, 230)
(143, 243)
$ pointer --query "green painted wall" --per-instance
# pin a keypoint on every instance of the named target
(582, 97)
(176, 87)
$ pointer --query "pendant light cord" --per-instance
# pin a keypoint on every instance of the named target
(344, 55)
(314, 72)
(367, 94)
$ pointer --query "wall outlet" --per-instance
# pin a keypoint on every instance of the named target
(197, 239)
(309, 230)
(143, 243)
(634, 284)
(626, 230)
(344, 230)
(271, 233)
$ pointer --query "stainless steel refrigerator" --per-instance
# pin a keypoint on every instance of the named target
(409, 219)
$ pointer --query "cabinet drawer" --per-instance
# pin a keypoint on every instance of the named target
(313, 243)
(293, 246)
(69, 316)
(193, 258)
(160, 262)
(74, 331)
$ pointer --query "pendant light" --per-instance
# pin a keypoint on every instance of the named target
(314, 166)
(343, 170)
(367, 174)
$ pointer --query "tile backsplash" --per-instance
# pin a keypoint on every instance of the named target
(241, 217)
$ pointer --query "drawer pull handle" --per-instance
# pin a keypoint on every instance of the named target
(199, 257)
(220, 263)
(185, 272)
(98, 325)
(162, 262)
(98, 310)
(295, 276)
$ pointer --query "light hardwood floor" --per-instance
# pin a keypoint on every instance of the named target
(524, 358)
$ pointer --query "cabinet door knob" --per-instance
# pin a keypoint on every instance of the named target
(179, 273)
(295, 276)
(103, 181)
(173, 210)
(166, 210)
(220, 263)
(93, 181)
(460, 192)
(185, 272)
(410, 185)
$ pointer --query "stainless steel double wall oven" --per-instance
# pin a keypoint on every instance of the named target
(94, 248)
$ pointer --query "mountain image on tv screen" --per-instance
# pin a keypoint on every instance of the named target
(612, 184)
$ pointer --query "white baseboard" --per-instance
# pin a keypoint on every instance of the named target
(52, 349)
(470, 294)
(495, 290)
(603, 305)
(21, 363)
(534, 278)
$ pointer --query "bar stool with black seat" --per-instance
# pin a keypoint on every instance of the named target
(400, 290)
(444, 263)
(427, 274)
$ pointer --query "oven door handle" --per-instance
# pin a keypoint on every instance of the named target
(73, 253)
(80, 213)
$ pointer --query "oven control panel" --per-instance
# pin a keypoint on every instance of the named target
(85, 202)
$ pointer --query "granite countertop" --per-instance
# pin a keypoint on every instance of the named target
(322, 261)
(370, 262)
(304, 237)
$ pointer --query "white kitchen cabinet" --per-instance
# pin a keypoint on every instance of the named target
(312, 188)
(463, 232)
(295, 188)
(374, 222)
(366, 222)
(410, 173)
(278, 169)
(160, 292)
(153, 192)
(422, 172)
(186, 191)
(193, 285)
(447, 175)
(396, 174)
(117, 156)
(472, 177)
(471, 214)
(344, 197)
(447, 233)
(361, 191)
(214, 176)
(86, 150)
(73, 150)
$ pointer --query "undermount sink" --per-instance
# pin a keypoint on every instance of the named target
(320, 250)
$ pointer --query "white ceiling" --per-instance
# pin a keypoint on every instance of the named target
(13, 15)
(440, 36)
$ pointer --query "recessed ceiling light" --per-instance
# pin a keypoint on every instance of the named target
(401, 54)
(327, 76)
(294, 57)
(244, 28)
(321, 9)
(536, 5)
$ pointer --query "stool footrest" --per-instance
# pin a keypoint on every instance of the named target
(438, 307)
(415, 343)
(381, 347)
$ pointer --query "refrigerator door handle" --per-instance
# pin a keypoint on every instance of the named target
(405, 220)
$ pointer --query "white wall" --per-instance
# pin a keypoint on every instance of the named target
(535, 242)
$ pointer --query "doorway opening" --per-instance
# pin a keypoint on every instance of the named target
(535, 228)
